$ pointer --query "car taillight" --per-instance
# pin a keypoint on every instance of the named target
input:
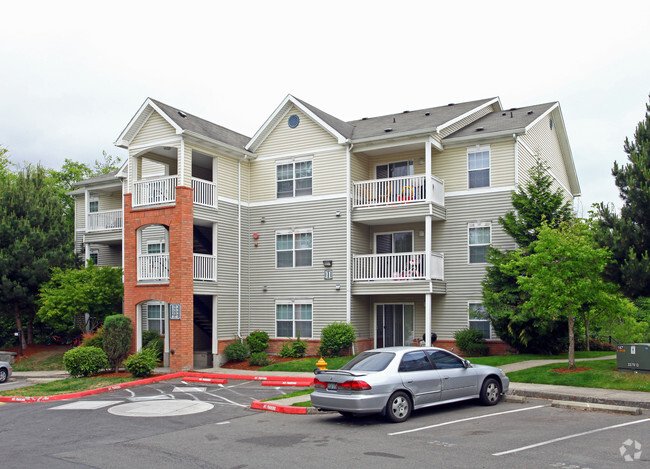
(355, 385)
(318, 384)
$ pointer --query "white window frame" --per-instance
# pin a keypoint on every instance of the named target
(293, 303)
(293, 234)
(471, 226)
(94, 252)
(393, 233)
(91, 200)
(162, 320)
(479, 149)
(409, 163)
(161, 244)
(470, 320)
(293, 179)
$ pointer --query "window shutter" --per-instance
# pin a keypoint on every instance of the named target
(144, 317)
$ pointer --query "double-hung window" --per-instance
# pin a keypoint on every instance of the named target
(153, 317)
(293, 248)
(294, 318)
(94, 255)
(478, 165)
(479, 240)
(93, 205)
(294, 178)
(155, 247)
(478, 319)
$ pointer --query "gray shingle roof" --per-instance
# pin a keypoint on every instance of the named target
(340, 126)
(503, 121)
(96, 179)
(412, 121)
(203, 127)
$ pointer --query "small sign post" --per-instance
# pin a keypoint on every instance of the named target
(174, 311)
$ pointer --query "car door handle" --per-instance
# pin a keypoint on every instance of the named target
(445, 377)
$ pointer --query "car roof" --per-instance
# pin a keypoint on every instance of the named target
(403, 349)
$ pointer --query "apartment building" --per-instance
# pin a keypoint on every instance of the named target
(382, 222)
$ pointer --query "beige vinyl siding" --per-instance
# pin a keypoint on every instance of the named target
(80, 211)
(153, 233)
(228, 177)
(112, 201)
(135, 164)
(154, 130)
(451, 166)
(285, 140)
(187, 167)
(467, 120)
(414, 156)
(108, 254)
(304, 282)
(543, 141)
(359, 166)
(449, 311)
(152, 168)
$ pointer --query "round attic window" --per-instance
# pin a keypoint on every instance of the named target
(294, 120)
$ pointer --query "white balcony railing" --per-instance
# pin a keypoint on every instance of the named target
(153, 267)
(400, 266)
(104, 221)
(205, 267)
(205, 192)
(398, 190)
(155, 191)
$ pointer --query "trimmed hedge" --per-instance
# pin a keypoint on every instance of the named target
(336, 337)
(471, 342)
(84, 361)
(237, 351)
(142, 364)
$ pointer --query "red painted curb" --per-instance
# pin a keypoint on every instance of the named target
(205, 380)
(301, 383)
(186, 374)
(283, 409)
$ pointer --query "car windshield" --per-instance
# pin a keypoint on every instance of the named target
(369, 361)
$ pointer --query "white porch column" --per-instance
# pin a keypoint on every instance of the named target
(86, 252)
(138, 328)
(427, 249)
(427, 319)
(215, 337)
(86, 208)
(167, 348)
(427, 171)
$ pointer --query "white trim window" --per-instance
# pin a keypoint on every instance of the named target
(94, 255)
(479, 320)
(479, 238)
(293, 248)
(153, 316)
(156, 247)
(294, 178)
(294, 318)
(478, 167)
(93, 204)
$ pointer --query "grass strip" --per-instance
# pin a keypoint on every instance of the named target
(302, 392)
(66, 386)
(41, 362)
(601, 374)
(498, 360)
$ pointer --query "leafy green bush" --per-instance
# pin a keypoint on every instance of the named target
(336, 337)
(237, 351)
(156, 344)
(471, 342)
(96, 339)
(293, 349)
(259, 359)
(148, 336)
(142, 364)
(117, 338)
(84, 361)
(258, 341)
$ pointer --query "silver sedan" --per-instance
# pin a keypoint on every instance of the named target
(396, 380)
(5, 371)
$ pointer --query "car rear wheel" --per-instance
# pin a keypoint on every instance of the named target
(3, 375)
(490, 392)
(398, 408)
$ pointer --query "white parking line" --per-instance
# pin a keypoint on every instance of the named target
(466, 420)
(555, 440)
(225, 399)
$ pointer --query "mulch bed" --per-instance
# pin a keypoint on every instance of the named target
(577, 369)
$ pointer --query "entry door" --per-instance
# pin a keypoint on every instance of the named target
(394, 324)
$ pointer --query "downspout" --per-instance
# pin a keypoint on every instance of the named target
(516, 137)
(239, 248)
(348, 237)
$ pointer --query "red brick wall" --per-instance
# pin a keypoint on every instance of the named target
(180, 289)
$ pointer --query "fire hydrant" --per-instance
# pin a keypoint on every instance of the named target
(322, 364)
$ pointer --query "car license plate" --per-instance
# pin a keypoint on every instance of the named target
(331, 386)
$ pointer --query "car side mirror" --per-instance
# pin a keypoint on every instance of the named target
(467, 364)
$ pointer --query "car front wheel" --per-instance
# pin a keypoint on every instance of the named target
(490, 392)
(398, 408)
(3, 375)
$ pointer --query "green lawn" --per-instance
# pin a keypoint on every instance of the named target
(65, 386)
(42, 361)
(602, 374)
(498, 360)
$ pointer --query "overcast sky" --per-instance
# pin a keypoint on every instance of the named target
(74, 73)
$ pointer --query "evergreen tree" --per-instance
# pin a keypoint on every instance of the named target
(34, 237)
(535, 203)
(628, 235)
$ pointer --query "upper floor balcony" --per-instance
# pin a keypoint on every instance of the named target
(403, 197)
(162, 191)
(155, 267)
(106, 220)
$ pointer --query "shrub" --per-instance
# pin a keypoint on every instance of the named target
(117, 338)
(148, 336)
(336, 337)
(142, 364)
(259, 359)
(94, 339)
(237, 351)
(258, 341)
(471, 342)
(156, 344)
(293, 349)
(84, 361)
